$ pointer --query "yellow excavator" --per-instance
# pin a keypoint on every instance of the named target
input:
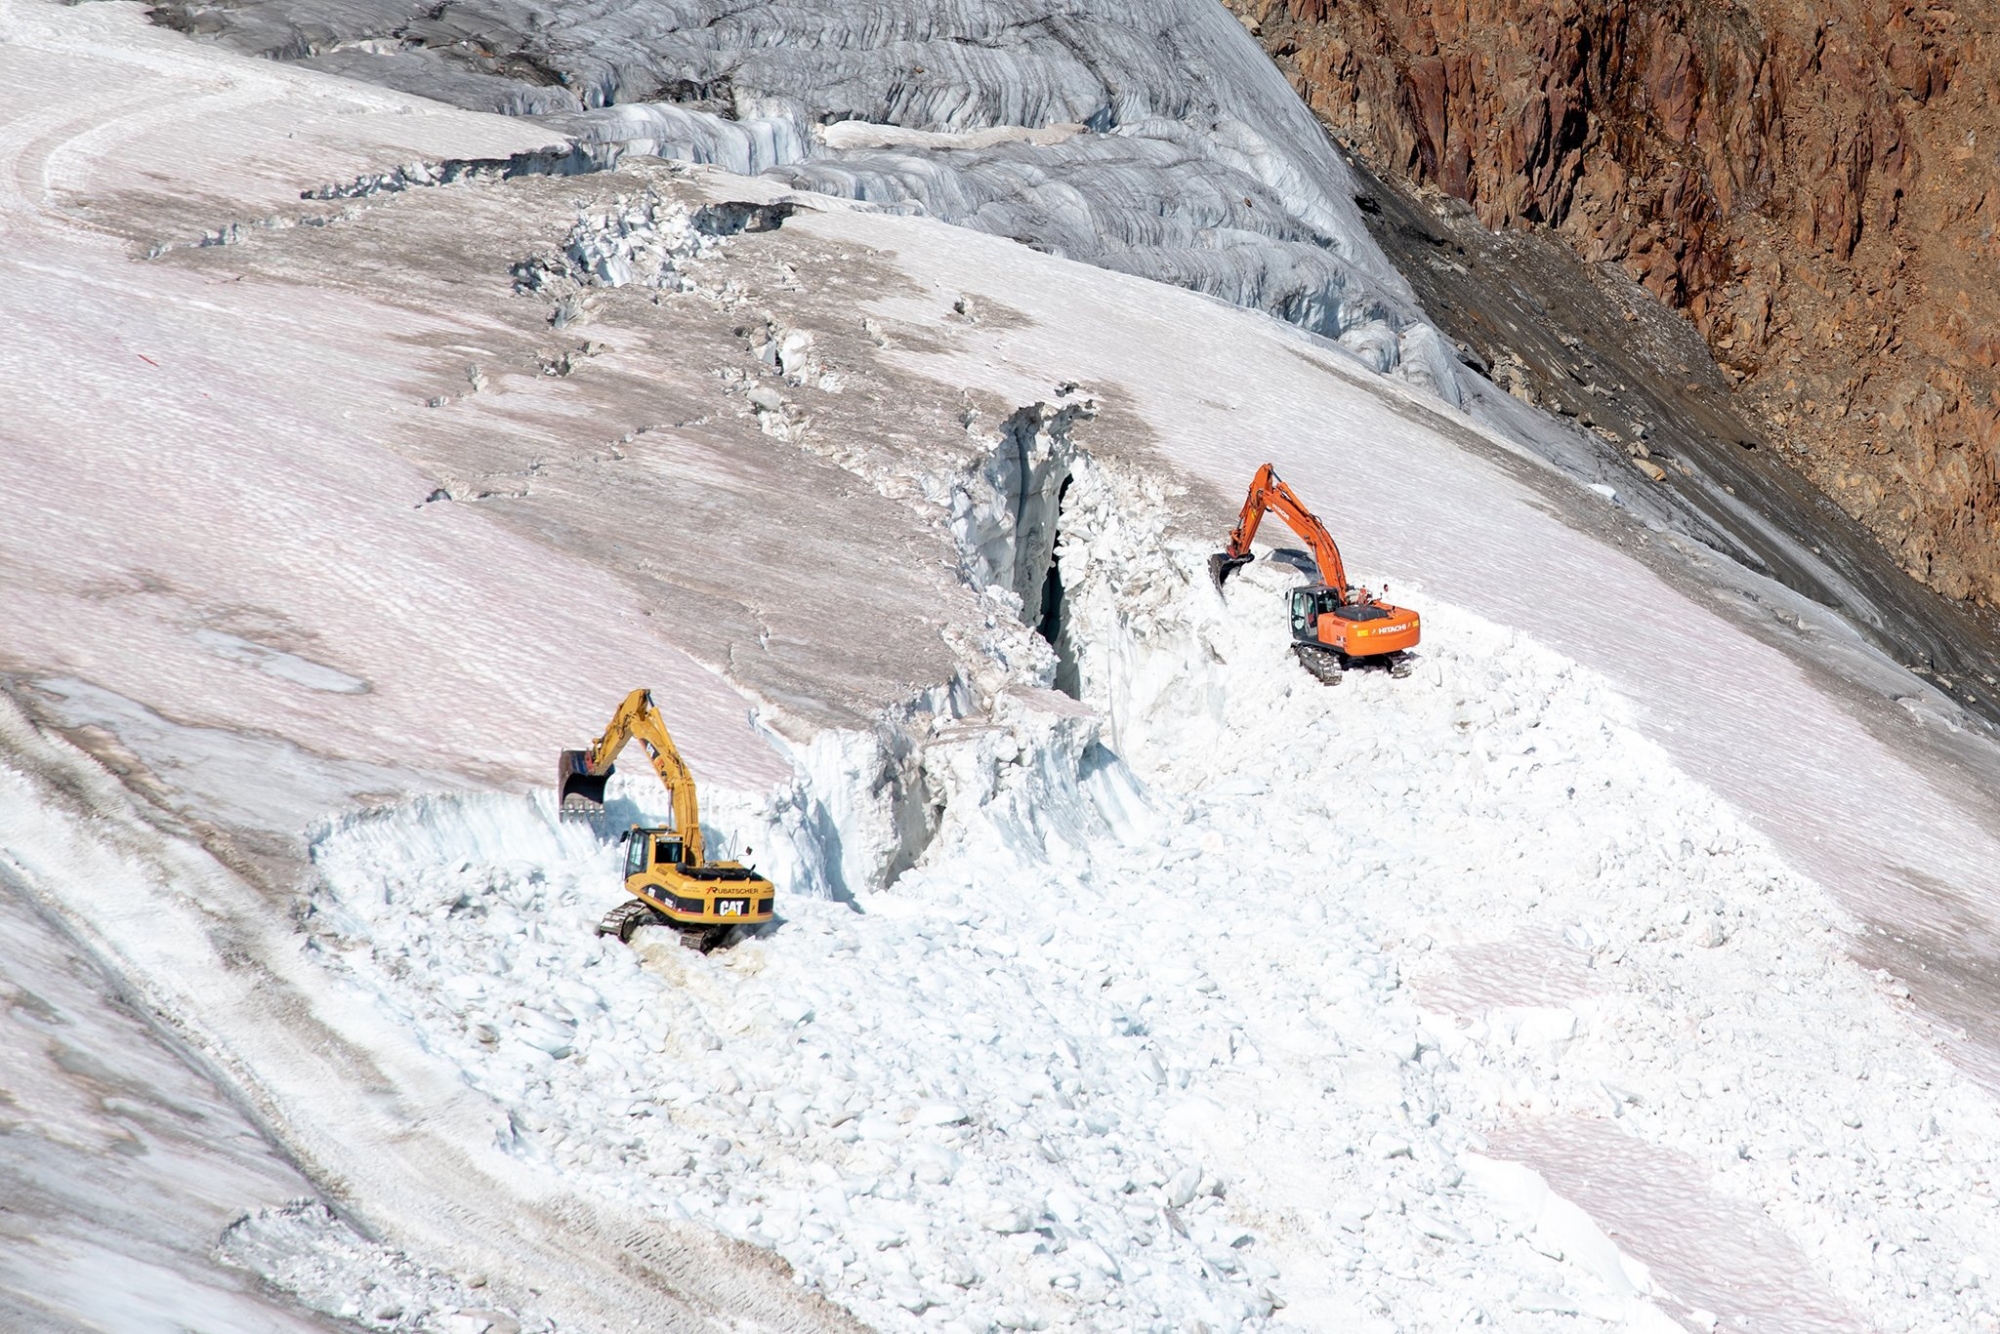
(669, 879)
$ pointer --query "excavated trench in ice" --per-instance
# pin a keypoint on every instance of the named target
(1214, 997)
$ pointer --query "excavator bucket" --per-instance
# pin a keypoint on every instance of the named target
(579, 793)
(1221, 565)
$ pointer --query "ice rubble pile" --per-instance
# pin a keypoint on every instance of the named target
(645, 239)
(306, 1251)
(1189, 158)
(1203, 1002)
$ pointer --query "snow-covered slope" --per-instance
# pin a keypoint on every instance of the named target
(1154, 139)
(120, 1165)
(1518, 985)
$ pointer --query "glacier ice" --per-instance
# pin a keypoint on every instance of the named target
(1155, 139)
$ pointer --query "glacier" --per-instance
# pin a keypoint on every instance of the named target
(1153, 139)
(1612, 971)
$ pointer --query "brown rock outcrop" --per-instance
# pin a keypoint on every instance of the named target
(1816, 187)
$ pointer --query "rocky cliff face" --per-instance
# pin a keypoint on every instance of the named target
(1815, 187)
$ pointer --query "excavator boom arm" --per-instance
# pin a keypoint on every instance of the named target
(638, 720)
(1269, 492)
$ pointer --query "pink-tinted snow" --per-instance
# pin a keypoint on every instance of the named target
(1712, 1253)
(194, 508)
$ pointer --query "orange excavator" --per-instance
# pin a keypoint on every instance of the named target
(1334, 624)
(669, 879)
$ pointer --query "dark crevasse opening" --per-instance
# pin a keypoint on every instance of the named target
(1053, 623)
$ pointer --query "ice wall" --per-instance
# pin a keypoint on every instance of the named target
(1152, 138)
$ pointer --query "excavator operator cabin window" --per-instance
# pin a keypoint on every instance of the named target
(1302, 611)
(667, 852)
(635, 855)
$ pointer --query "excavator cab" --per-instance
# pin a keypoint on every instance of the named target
(1307, 603)
(650, 847)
